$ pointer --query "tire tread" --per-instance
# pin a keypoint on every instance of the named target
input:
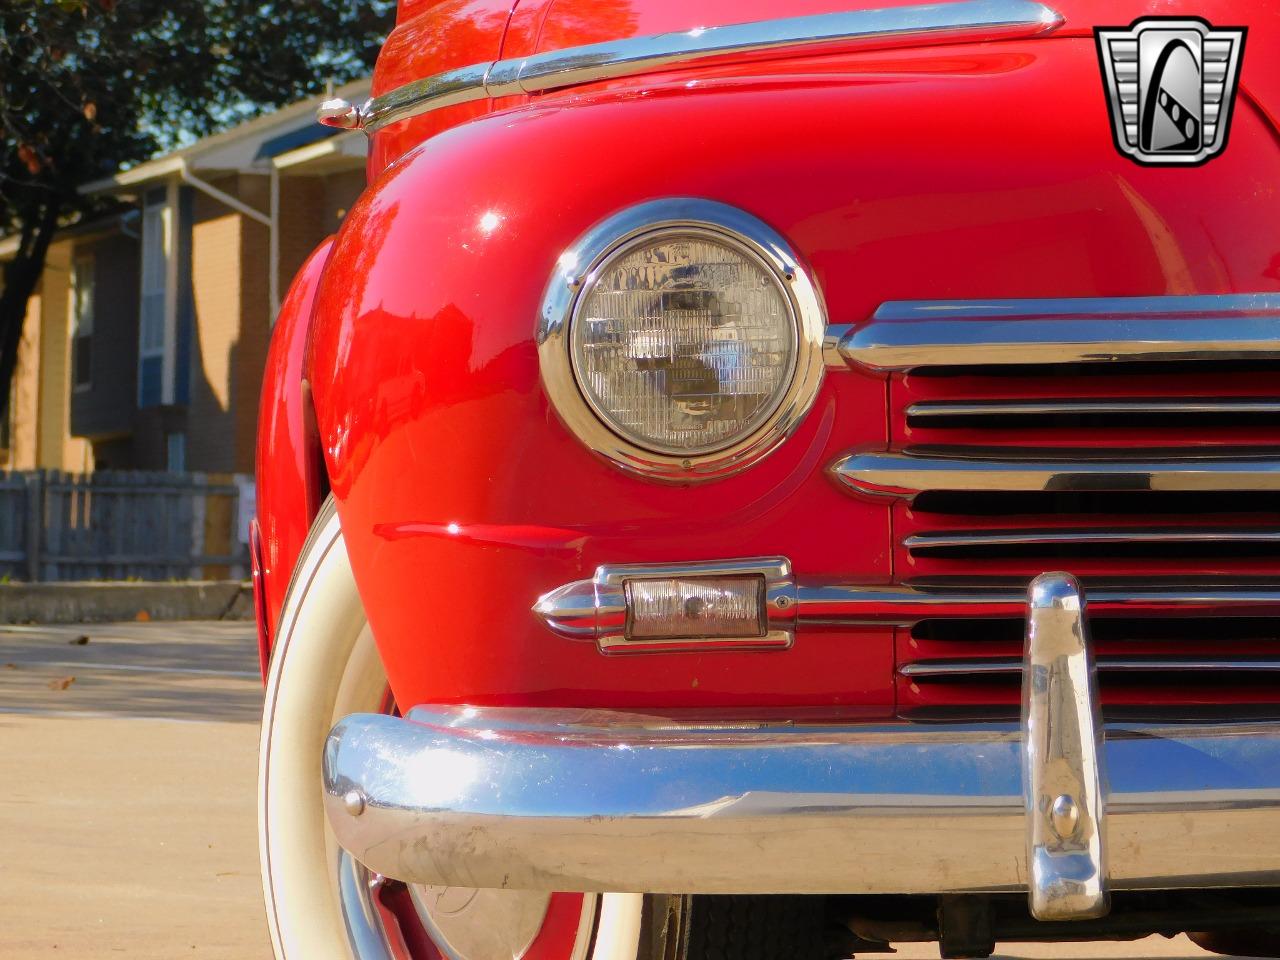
(774, 927)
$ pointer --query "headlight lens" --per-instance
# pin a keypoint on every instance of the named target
(684, 343)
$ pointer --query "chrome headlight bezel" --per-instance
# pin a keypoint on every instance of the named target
(576, 273)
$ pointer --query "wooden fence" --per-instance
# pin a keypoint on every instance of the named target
(120, 525)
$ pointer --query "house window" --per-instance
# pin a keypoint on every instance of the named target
(82, 323)
(176, 452)
(157, 299)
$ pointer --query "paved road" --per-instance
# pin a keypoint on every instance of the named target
(127, 811)
(127, 814)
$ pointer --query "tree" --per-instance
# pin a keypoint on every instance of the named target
(89, 86)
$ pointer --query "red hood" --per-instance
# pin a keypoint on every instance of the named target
(574, 22)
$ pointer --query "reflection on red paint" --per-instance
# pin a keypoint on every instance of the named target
(898, 175)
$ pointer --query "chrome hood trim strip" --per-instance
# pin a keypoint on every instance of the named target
(970, 19)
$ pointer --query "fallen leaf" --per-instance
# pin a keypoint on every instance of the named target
(61, 683)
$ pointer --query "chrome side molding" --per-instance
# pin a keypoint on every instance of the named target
(595, 610)
(906, 335)
(954, 540)
(910, 472)
(1062, 756)
(967, 20)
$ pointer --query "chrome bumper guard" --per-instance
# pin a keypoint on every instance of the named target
(601, 801)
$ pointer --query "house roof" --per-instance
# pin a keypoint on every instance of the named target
(251, 146)
(288, 139)
(83, 229)
(346, 151)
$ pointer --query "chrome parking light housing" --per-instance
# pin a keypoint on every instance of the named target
(580, 269)
(602, 609)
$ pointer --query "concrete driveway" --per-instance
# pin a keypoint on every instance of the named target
(127, 815)
(127, 812)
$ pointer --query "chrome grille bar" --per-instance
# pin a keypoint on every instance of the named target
(903, 605)
(962, 539)
(1009, 666)
(906, 335)
(908, 473)
(942, 409)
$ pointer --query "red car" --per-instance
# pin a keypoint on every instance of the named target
(778, 480)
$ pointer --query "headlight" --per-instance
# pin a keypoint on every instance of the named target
(682, 340)
(683, 343)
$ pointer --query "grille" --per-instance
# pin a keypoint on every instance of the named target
(1028, 436)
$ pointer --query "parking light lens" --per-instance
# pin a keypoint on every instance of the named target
(684, 607)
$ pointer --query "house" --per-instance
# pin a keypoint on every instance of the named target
(145, 343)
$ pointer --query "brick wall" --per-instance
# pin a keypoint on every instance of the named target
(341, 191)
(302, 223)
(250, 355)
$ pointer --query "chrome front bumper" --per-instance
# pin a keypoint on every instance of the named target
(600, 801)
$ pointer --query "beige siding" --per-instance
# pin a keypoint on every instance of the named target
(230, 277)
(56, 449)
(216, 236)
(55, 285)
(215, 279)
(25, 398)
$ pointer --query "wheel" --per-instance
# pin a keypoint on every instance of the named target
(322, 904)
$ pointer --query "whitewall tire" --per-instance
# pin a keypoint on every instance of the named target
(324, 666)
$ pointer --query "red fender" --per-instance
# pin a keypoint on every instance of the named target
(291, 479)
